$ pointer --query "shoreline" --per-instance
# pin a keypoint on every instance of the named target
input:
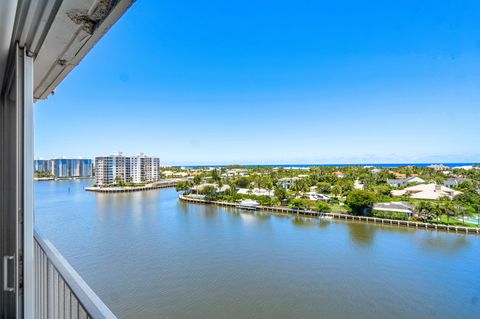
(306, 165)
(41, 179)
(345, 217)
(126, 189)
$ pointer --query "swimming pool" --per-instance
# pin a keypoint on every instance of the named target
(472, 220)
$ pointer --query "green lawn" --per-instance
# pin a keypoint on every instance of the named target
(453, 222)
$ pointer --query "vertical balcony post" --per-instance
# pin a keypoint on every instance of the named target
(28, 218)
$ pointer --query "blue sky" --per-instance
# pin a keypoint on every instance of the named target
(222, 82)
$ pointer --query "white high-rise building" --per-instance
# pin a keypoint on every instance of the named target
(65, 167)
(116, 168)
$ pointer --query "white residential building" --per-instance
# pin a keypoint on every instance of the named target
(288, 182)
(451, 182)
(256, 191)
(405, 181)
(394, 207)
(110, 170)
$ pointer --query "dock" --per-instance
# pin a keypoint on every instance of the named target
(132, 189)
(347, 217)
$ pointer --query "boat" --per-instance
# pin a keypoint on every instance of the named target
(248, 204)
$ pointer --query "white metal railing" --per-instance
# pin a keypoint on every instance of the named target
(60, 292)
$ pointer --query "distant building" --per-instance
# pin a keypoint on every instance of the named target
(438, 167)
(399, 175)
(218, 189)
(339, 174)
(112, 169)
(401, 182)
(465, 167)
(288, 182)
(451, 182)
(358, 185)
(42, 165)
(256, 191)
(65, 167)
(312, 195)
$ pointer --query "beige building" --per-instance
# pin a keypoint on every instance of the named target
(426, 191)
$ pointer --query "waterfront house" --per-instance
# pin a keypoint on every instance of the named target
(394, 207)
(219, 189)
(255, 191)
(316, 196)
(426, 191)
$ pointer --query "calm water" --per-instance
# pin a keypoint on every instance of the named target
(149, 256)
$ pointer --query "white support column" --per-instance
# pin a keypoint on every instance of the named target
(20, 182)
(28, 192)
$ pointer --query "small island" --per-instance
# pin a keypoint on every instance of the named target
(124, 187)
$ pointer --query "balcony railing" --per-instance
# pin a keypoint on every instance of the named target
(60, 292)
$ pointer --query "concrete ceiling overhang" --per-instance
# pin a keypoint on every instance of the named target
(57, 33)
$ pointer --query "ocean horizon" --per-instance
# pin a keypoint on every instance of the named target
(392, 165)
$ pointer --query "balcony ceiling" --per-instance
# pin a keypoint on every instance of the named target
(57, 33)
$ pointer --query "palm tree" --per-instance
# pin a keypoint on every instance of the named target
(462, 210)
(451, 209)
(439, 210)
(336, 190)
(425, 209)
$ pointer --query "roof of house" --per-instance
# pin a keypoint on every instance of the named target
(394, 181)
(437, 166)
(289, 179)
(255, 191)
(455, 180)
(426, 191)
(393, 206)
(405, 180)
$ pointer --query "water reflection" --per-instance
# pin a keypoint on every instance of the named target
(305, 222)
(135, 204)
(196, 261)
(447, 244)
(362, 234)
(210, 211)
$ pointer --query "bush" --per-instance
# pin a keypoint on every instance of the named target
(298, 204)
(389, 215)
(208, 191)
(323, 207)
(360, 201)
(242, 182)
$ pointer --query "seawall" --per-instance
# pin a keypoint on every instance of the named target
(366, 219)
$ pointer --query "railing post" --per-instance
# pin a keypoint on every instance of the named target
(28, 136)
